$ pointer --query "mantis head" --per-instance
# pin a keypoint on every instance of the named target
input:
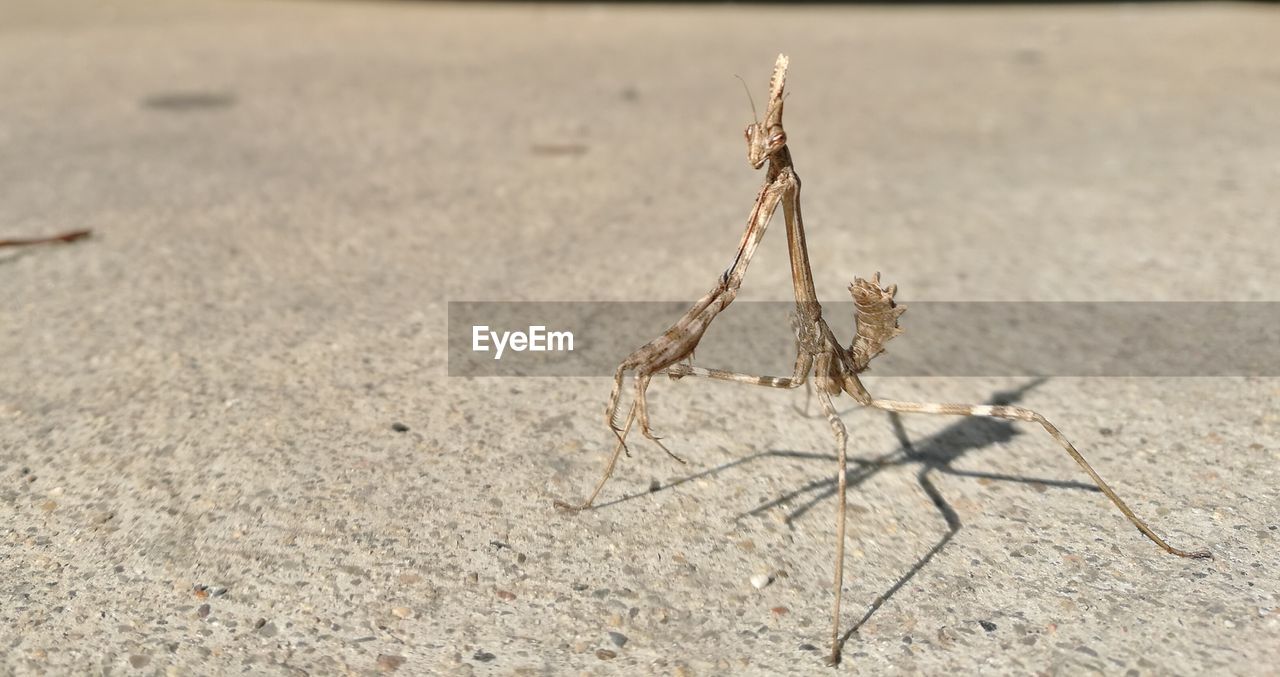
(764, 139)
(762, 143)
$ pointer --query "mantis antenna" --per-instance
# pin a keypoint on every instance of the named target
(755, 117)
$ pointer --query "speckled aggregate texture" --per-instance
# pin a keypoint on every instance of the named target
(201, 470)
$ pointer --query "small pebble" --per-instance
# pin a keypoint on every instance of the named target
(988, 626)
(483, 656)
(619, 640)
(139, 661)
(760, 580)
(402, 612)
(217, 592)
(389, 663)
(399, 427)
(503, 594)
(654, 485)
(203, 611)
(605, 654)
(780, 611)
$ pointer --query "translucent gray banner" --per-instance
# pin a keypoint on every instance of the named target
(941, 339)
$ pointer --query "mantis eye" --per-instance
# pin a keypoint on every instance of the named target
(749, 131)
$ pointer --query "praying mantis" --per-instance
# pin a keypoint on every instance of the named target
(833, 367)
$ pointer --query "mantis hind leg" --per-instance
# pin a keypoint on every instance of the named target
(1020, 414)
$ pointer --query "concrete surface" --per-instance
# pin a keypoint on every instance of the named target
(285, 195)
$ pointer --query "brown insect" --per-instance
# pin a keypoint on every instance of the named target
(834, 367)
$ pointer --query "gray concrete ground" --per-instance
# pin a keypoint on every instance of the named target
(285, 195)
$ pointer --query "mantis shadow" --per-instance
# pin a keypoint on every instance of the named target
(935, 454)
